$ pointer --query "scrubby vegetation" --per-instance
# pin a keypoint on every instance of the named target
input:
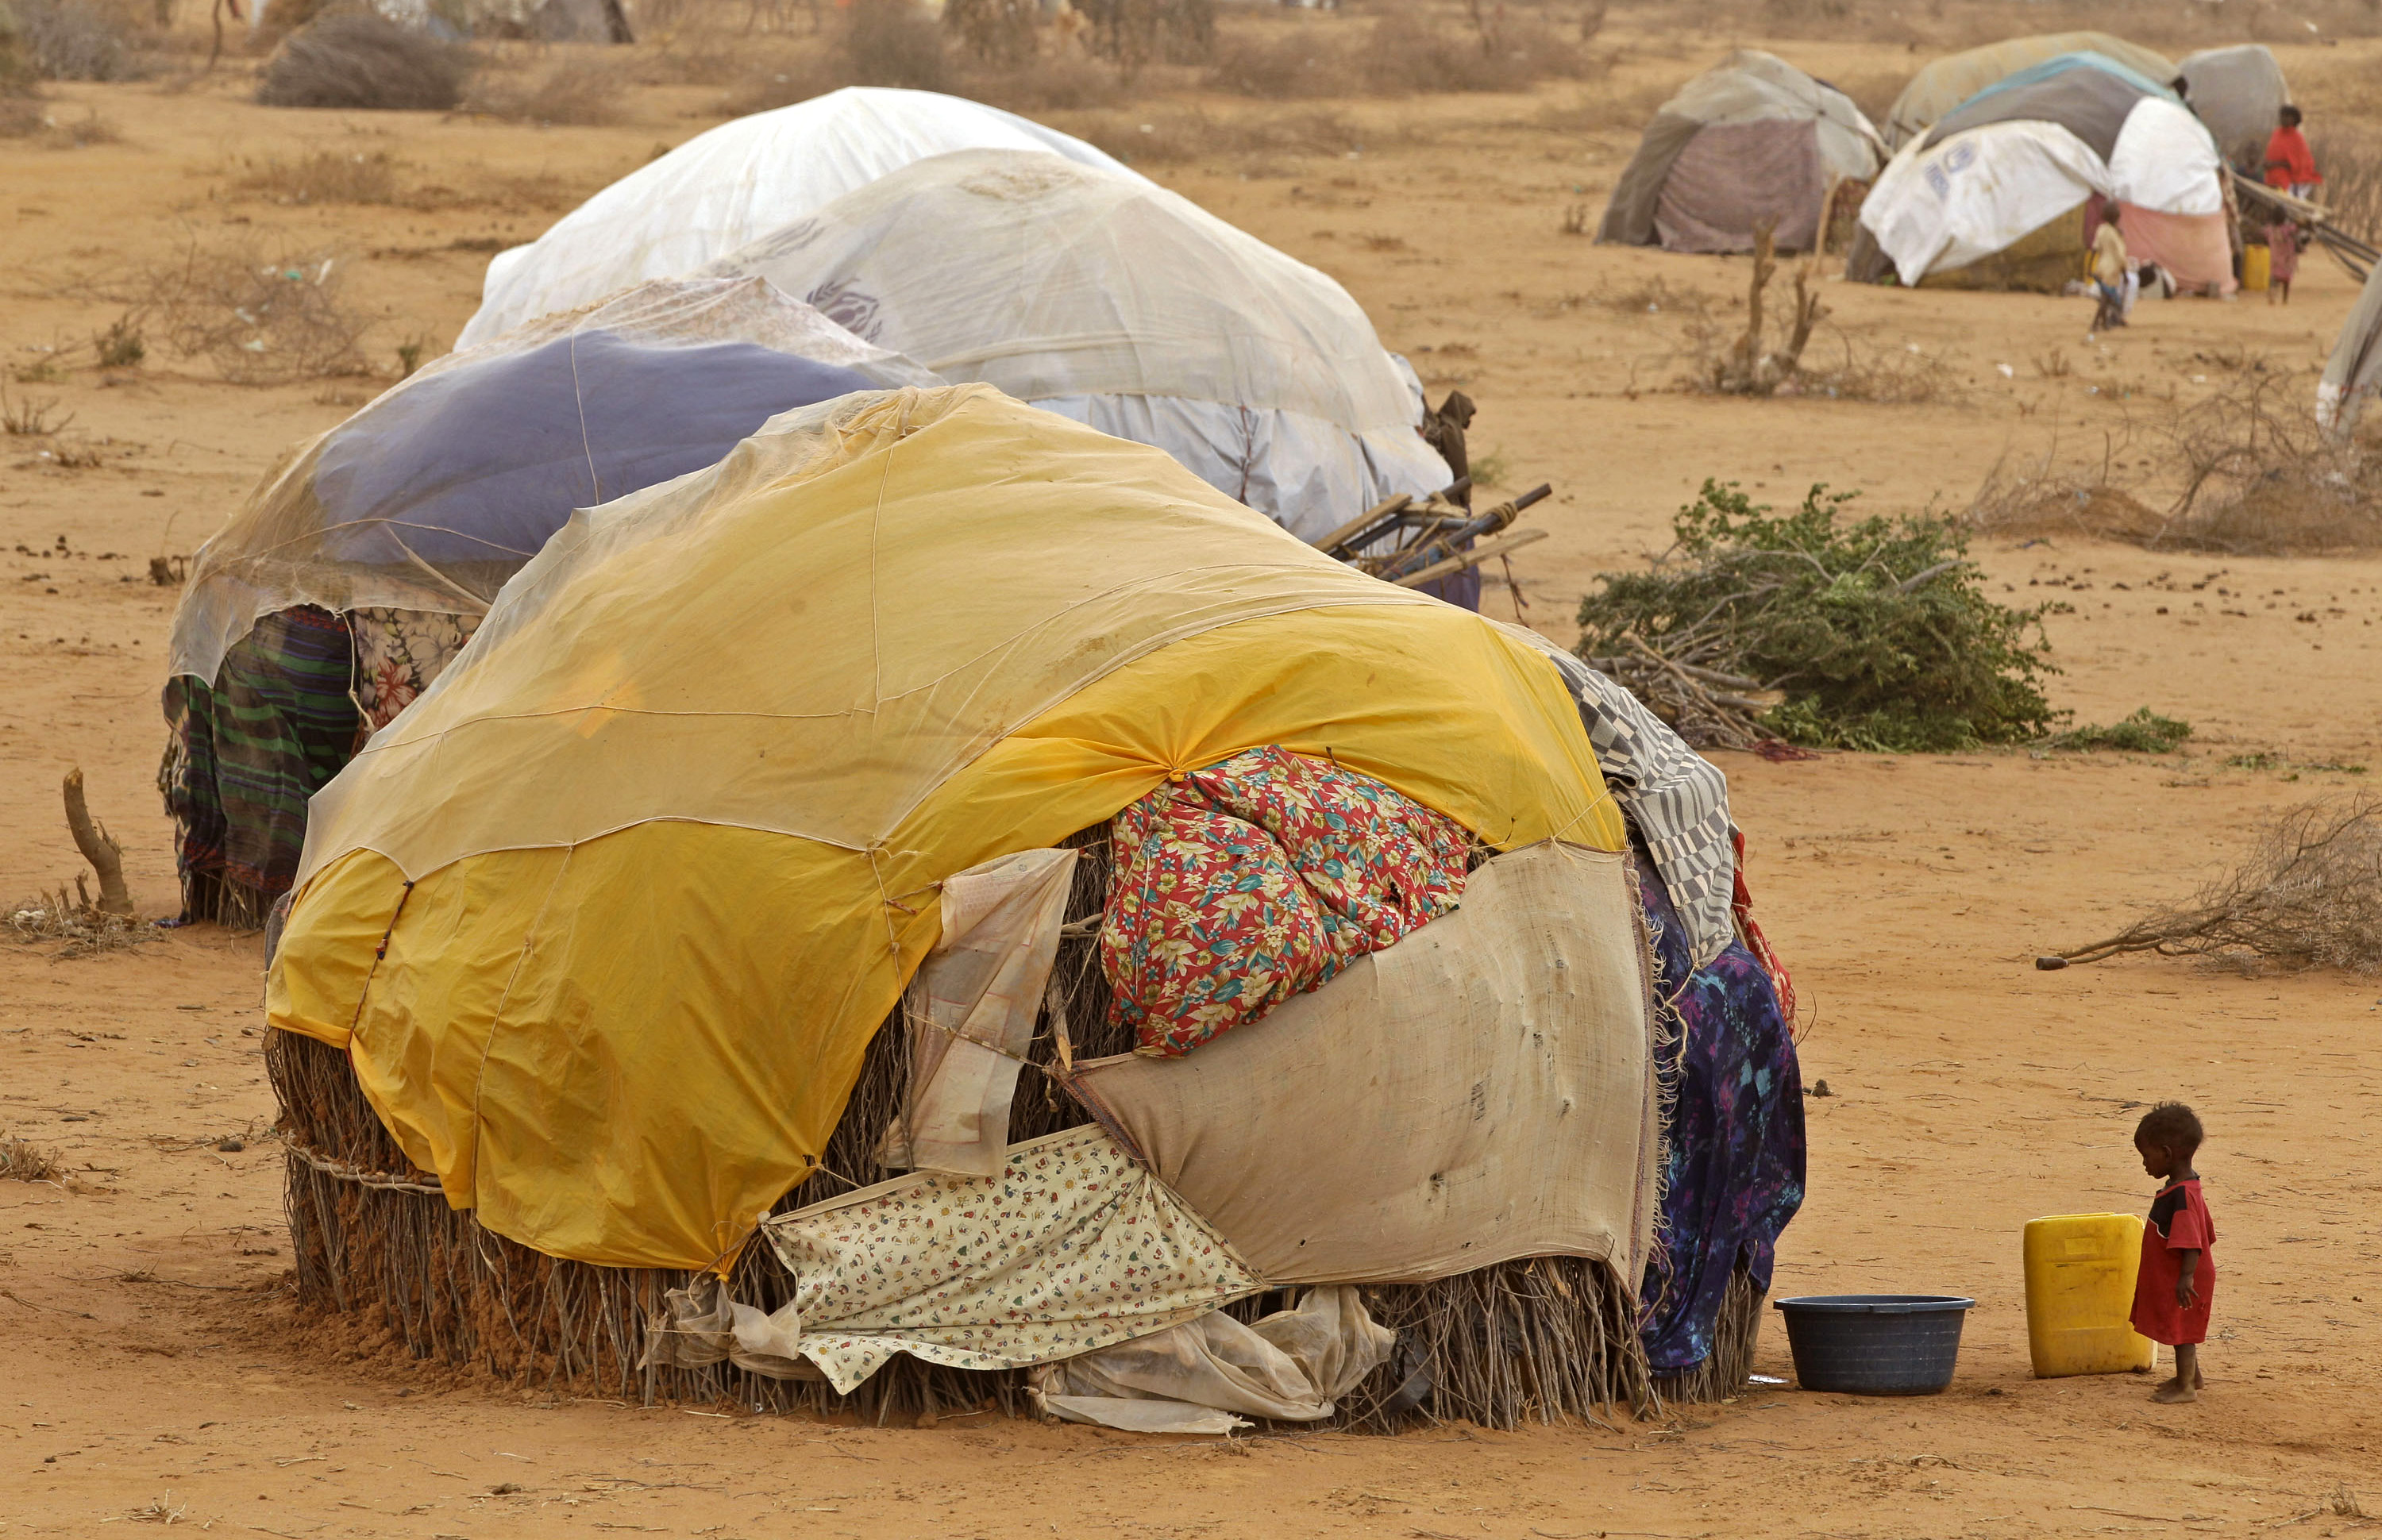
(1870, 633)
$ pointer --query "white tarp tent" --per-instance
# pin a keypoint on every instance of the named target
(1109, 299)
(1945, 205)
(738, 182)
(1949, 204)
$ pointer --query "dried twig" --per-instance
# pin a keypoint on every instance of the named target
(2310, 895)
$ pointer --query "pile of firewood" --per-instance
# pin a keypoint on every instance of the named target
(1411, 542)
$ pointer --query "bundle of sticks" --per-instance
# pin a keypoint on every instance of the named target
(1709, 707)
(2350, 252)
(1411, 542)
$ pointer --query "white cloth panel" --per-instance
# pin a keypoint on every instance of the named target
(1289, 1366)
(971, 1007)
(1073, 1246)
(1483, 1089)
(1947, 205)
(2166, 161)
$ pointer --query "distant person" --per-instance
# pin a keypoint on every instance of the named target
(2177, 1276)
(2290, 165)
(2109, 271)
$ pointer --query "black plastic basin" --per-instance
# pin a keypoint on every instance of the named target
(1875, 1344)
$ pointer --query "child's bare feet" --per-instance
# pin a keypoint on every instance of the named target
(2173, 1391)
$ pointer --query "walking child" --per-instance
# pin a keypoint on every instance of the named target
(2178, 1276)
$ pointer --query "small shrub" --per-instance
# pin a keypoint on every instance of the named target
(2146, 732)
(996, 33)
(577, 92)
(77, 40)
(359, 60)
(1133, 34)
(324, 176)
(1300, 61)
(121, 346)
(21, 1160)
(892, 43)
(30, 417)
(260, 322)
(1873, 635)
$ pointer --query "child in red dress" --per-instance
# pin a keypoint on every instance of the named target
(2177, 1276)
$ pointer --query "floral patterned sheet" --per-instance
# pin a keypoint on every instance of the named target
(1073, 1246)
(399, 654)
(1256, 879)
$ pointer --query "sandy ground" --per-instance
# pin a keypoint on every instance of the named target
(153, 1369)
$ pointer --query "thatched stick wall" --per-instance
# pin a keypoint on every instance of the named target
(1545, 1338)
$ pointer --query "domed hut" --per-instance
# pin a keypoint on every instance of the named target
(2237, 92)
(1125, 920)
(737, 182)
(1751, 141)
(359, 563)
(1943, 84)
(1127, 307)
(2001, 191)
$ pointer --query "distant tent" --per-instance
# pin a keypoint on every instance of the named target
(1752, 139)
(1948, 83)
(2355, 370)
(2024, 154)
(1109, 299)
(738, 182)
(2237, 92)
(364, 562)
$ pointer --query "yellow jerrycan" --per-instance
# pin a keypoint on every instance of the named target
(2257, 264)
(2080, 1294)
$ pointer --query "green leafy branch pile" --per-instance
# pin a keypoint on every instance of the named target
(1872, 634)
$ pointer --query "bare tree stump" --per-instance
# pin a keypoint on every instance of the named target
(100, 849)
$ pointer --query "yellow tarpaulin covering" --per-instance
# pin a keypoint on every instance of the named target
(608, 917)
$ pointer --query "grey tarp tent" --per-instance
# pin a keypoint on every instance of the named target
(2237, 92)
(1948, 81)
(2355, 371)
(1752, 139)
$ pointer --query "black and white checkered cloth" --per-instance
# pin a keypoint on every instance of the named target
(1676, 799)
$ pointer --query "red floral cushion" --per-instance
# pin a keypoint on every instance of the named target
(1256, 879)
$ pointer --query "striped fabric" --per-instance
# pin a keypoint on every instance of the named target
(246, 754)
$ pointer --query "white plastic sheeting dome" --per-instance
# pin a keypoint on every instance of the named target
(737, 182)
(1105, 297)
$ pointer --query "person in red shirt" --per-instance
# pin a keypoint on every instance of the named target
(2177, 1276)
(2290, 165)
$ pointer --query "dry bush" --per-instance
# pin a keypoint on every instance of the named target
(1176, 134)
(2309, 896)
(258, 322)
(21, 114)
(76, 920)
(324, 176)
(1135, 35)
(30, 417)
(2261, 477)
(580, 93)
(363, 61)
(2350, 160)
(80, 39)
(1901, 376)
(2255, 476)
(998, 34)
(1501, 49)
(1280, 63)
(22, 1160)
